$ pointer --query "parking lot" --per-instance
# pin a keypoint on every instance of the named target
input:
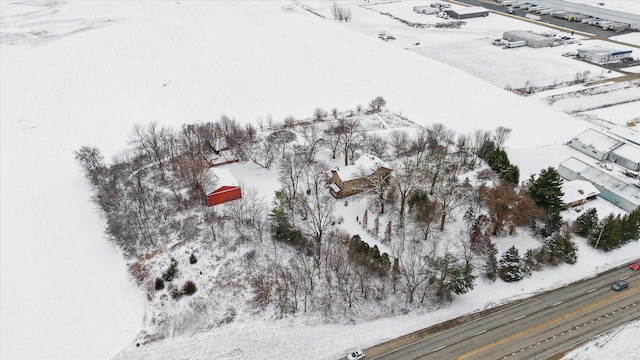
(548, 19)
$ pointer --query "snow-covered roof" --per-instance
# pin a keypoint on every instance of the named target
(216, 178)
(628, 151)
(577, 190)
(603, 180)
(598, 140)
(469, 10)
(626, 133)
(365, 165)
(596, 50)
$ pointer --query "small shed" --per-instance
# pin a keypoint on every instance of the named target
(577, 192)
(595, 144)
(220, 186)
(467, 12)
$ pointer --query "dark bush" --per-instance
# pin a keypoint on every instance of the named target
(193, 259)
(159, 284)
(171, 272)
(189, 288)
(176, 293)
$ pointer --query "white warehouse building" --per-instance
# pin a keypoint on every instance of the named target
(532, 39)
(598, 54)
(595, 144)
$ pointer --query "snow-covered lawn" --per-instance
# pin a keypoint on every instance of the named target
(80, 73)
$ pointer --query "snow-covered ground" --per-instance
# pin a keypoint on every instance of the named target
(77, 73)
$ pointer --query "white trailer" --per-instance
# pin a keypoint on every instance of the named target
(513, 44)
(508, 2)
(533, 17)
(517, 5)
(546, 11)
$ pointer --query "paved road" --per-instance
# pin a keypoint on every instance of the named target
(536, 328)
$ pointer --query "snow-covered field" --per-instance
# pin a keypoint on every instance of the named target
(77, 73)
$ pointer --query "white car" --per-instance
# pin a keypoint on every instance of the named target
(356, 355)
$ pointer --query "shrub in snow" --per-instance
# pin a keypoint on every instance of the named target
(175, 292)
(189, 288)
(171, 272)
(193, 259)
(159, 285)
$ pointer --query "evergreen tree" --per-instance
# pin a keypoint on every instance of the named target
(491, 264)
(499, 161)
(510, 265)
(512, 174)
(586, 223)
(546, 190)
(615, 231)
(365, 218)
(281, 227)
(376, 226)
(387, 233)
(560, 248)
(529, 262)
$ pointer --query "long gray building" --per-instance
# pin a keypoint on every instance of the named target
(595, 144)
(532, 39)
(624, 195)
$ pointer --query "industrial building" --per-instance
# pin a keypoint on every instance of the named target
(467, 12)
(595, 144)
(533, 40)
(626, 133)
(627, 156)
(622, 194)
(598, 54)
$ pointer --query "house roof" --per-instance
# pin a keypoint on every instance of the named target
(366, 165)
(598, 140)
(577, 190)
(215, 178)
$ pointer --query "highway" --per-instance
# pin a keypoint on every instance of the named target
(537, 328)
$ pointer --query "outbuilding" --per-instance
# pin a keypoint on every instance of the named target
(467, 12)
(577, 192)
(533, 40)
(219, 186)
(595, 144)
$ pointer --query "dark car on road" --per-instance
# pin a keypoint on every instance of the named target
(620, 285)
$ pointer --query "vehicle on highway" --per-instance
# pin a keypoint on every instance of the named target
(356, 355)
(620, 285)
(635, 266)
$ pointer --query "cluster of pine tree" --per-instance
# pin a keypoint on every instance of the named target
(362, 253)
(609, 233)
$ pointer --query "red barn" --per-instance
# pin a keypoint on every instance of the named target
(220, 186)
